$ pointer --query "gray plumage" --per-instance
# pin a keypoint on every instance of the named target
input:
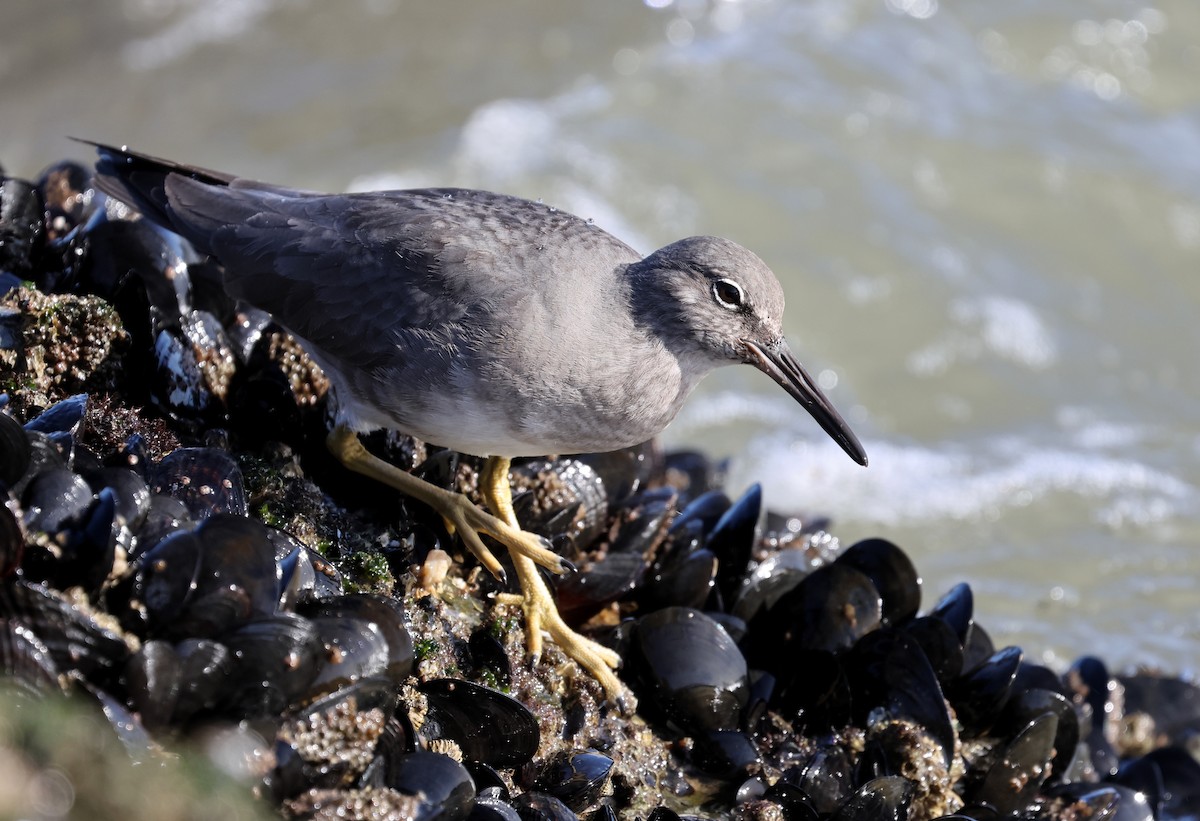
(482, 322)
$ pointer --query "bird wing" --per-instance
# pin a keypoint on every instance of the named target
(390, 267)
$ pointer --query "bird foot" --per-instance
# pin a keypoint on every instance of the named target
(526, 549)
(541, 613)
(461, 515)
(468, 520)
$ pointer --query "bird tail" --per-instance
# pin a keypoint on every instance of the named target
(139, 180)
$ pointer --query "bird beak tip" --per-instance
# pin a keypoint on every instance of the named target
(777, 361)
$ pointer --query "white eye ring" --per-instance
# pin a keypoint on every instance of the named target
(728, 294)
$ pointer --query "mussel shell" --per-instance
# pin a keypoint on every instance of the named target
(275, 661)
(353, 649)
(690, 667)
(827, 778)
(663, 814)
(74, 639)
(25, 660)
(624, 472)
(489, 657)
(44, 455)
(12, 320)
(536, 806)
(692, 472)
(1013, 780)
(1131, 804)
(64, 416)
(166, 579)
(164, 516)
(957, 609)
(732, 540)
(1028, 705)
(398, 738)
(207, 480)
(1090, 684)
(578, 778)
(263, 400)
(55, 499)
(1170, 779)
(890, 671)
(88, 550)
(817, 695)
(892, 573)
(195, 366)
(489, 807)
(878, 800)
(1088, 800)
(22, 230)
(297, 578)
(571, 501)
(685, 579)
(127, 726)
(978, 649)
(794, 802)
(153, 678)
(248, 327)
(206, 673)
(131, 493)
(137, 255)
(706, 509)
(204, 582)
(580, 595)
(831, 609)
(69, 193)
(385, 614)
(487, 725)
(772, 578)
(1037, 677)
(979, 695)
(643, 521)
(640, 525)
(726, 754)
(436, 779)
(14, 451)
(940, 645)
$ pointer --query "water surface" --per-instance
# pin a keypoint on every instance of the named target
(986, 217)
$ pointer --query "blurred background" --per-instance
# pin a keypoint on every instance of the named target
(986, 217)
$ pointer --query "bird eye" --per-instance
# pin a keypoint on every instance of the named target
(728, 293)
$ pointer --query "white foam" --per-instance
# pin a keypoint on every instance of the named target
(917, 484)
(505, 138)
(995, 325)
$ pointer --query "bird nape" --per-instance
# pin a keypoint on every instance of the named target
(485, 323)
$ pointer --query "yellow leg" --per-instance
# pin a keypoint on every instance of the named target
(541, 613)
(463, 517)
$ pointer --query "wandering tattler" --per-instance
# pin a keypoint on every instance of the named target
(485, 323)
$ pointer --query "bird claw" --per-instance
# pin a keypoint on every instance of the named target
(541, 613)
(469, 520)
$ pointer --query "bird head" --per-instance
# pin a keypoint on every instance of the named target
(716, 303)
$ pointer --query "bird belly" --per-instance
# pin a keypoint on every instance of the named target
(496, 420)
(527, 400)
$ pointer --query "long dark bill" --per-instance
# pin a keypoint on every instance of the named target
(778, 362)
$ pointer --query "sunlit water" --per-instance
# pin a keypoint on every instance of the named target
(986, 216)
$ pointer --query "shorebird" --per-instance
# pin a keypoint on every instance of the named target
(485, 323)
